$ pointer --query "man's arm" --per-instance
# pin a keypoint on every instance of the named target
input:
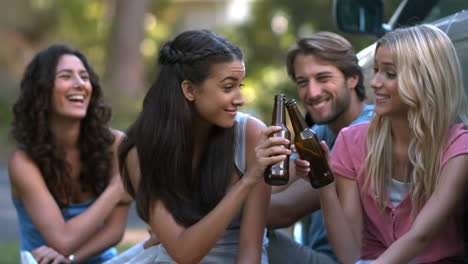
(291, 204)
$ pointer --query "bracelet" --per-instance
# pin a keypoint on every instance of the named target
(72, 259)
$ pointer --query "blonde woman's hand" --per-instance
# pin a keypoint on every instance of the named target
(299, 167)
(326, 150)
(269, 150)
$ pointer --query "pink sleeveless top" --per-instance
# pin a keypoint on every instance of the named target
(381, 229)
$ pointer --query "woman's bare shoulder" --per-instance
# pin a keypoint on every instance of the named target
(20, 158)
(119, 135)
(254, 125)
(23, 172)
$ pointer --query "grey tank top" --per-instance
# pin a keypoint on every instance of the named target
(239, 157)
(226, 248)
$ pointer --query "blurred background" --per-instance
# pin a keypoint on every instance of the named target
(121, 39)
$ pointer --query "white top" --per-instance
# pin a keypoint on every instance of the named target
(397, 190)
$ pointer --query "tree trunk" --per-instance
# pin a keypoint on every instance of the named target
(124, 73)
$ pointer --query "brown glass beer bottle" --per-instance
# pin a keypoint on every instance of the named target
(308, 147)
(278, 174)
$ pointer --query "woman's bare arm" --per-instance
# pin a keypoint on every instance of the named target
(64, 236)
(255, 210)
(198, 239)
(108, 235)
(447, 196)
(343, 218)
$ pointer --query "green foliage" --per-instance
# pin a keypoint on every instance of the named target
(84, 24)
(87, 25)
(9, 252)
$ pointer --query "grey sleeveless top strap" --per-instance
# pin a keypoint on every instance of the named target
(239, 157)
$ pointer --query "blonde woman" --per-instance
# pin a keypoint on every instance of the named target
(400, 178)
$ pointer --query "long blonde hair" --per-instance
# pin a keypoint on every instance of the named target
(430, 83)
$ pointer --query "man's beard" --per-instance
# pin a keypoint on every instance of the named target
(339, 106)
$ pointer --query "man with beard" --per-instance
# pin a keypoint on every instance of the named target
(329, 82)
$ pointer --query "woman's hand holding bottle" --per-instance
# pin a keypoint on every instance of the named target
(302, 167)
(269, 150)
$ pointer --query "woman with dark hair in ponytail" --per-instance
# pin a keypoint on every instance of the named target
(193, 163)
(65, 180)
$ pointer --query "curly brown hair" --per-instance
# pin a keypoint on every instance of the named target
(31, 130)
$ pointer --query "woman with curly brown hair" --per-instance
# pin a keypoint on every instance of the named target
(64, 176)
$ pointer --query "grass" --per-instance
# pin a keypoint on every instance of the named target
(9, 251)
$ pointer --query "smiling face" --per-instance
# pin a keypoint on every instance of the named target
(217, 98)
(72, 89)
(385, 84)
(323, 88)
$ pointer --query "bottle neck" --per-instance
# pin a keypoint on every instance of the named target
(297, 120)
(278, 112)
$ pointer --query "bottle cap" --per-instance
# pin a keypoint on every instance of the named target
(280, 95)
(290, 102)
